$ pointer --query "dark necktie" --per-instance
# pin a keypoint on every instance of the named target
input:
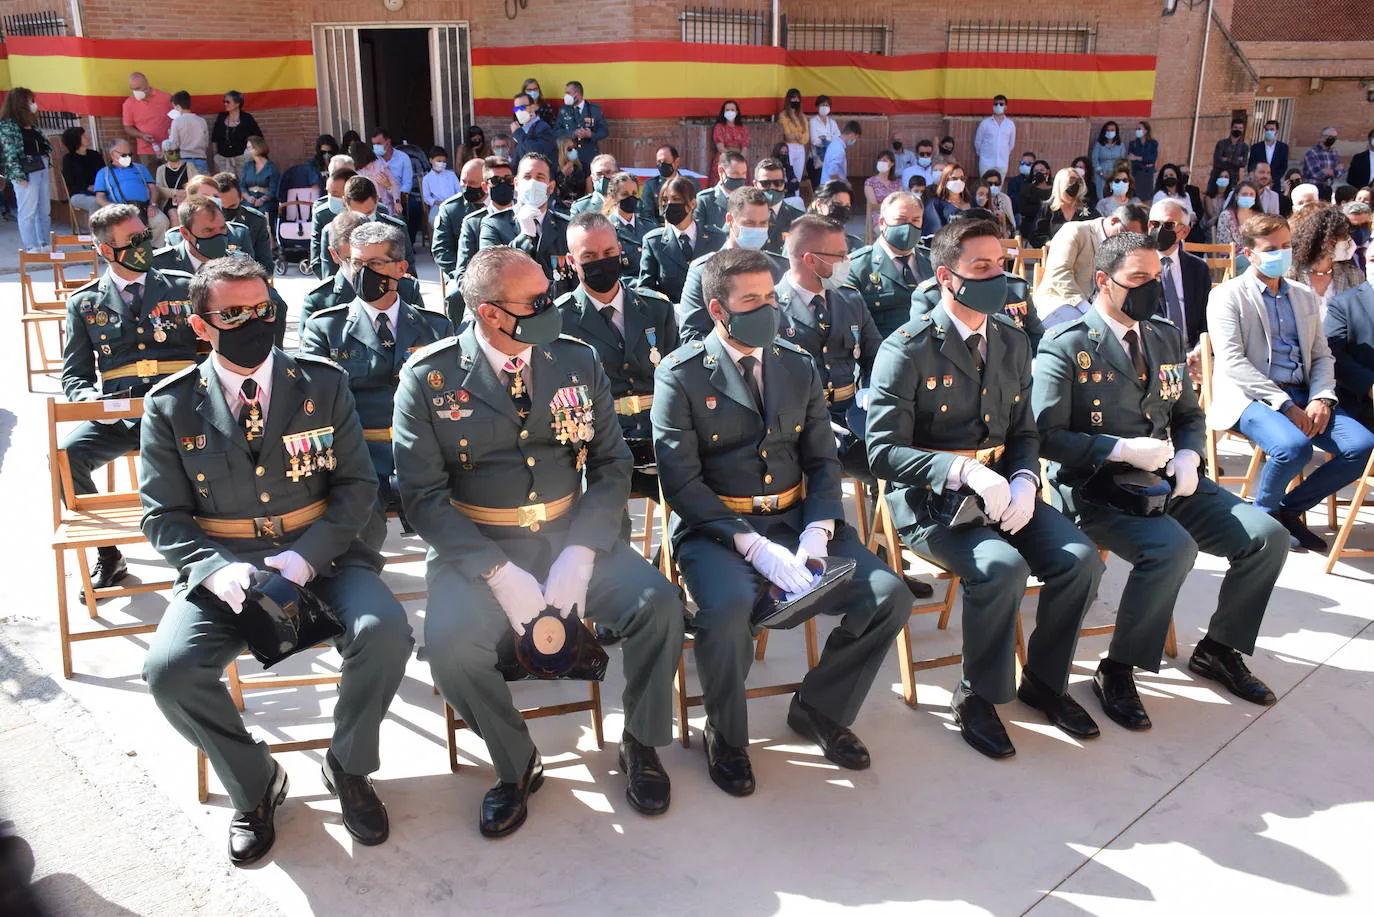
(822, 313)
(1137, 354)
(908, 275)
(515, 385)
(686, 245)
(746, 366)
(1173, 309)
(974, 342)
(384, 335)
(250, 414)
(608, 313)
(133, 296)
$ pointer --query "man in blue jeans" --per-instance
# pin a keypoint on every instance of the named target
(1275, 381)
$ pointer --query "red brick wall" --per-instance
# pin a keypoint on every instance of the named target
(1338, 103)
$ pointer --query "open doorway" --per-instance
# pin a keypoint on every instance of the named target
(394, 66)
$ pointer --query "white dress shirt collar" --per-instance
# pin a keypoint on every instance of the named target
(120, 283)
(965, 331)
(617, 305)
(392, 315)
(736, 355)
(690, 232)
(231, 383)
(498, 360)
(1119, 330)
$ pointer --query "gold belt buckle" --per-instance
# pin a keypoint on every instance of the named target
(146, 368)
(829, 393)
(766, 504)
(529, 517)
(632, 404)
(268, 527)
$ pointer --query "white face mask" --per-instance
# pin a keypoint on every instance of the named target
(522, 116)
(883, 165)
(823, 110)
(1079, 170)
(730, 114)
(140, 94)
(123, 161)
(533, 94)
(568, 99)
(955, 186)
(173, 115)
(839, 275)
(531, 192)
(1345, 250)
(33, 107)
(439, 166)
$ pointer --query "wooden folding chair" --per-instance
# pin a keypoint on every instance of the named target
(42, 314)
(1339, 551)
(1214, 437)
(1221, 259)
(71, 253)
(91, 521)
(73, 214)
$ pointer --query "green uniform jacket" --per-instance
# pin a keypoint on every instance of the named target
(880, 281)
(550, 250)
(448, 222)
(196, 462)
(456, 435)
(104, 334)
(259, 234)
(710, 209)
(631, 240)
(710, 440)
(833, 347)
(1020, 308)
(662, 265)
(337, 290)
(779, 224)
(327, 265)
(320, 217)
(650, 334)
(927, 397)
(587, 203)
(693, 321)
(1087, 396)
(648, 200)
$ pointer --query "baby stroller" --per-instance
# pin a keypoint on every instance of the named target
(293, 230)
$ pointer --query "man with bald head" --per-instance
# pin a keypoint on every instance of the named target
(1186, 279)
(603, 169)
(145, 119)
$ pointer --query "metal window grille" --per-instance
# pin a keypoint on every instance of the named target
(859, 37)
(1022, 37)
(1271, 109)
(720, 26)
(44, 23)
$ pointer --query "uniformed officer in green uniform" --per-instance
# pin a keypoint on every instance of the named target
(371, 337)
(603, 169)
(888, 271)
(225, 188)
(533, 225)
(747, 460)
(322, 212)
(671, 248)
(666, 159)
(360, 196)
(448, 218)
(512, 467)
(746, 226)
(631, 330)
(1113, 388)
(499, 181)
(255, 459)
(629, 229)
(951, 412)
(732, 172)
(771, 179)
(338, 290)
(126, 330)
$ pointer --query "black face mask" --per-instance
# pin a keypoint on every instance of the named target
(230, 214)
(373, 285)
(1328, 142)
(794, 103)
(472, 195)
(1164, 238)
(665, 169)
(1169, 181)
(1142, 301)
(601, 275)
(212, 248)
(897, 144)
(1236, 132)
(674, 213)
(841, 213)
(946, 150)
(628, 205)
(502, 193)
(248, 344)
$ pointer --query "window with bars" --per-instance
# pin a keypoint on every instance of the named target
(859, 37)
(1022, 37)
(44, 23)
(721, 26)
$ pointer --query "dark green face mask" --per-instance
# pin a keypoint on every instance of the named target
(730, 184)
(753, 329)
(902, 237)
(600, 185)
(987, 296)
(213, 247)
(774, 197)
(540, 328)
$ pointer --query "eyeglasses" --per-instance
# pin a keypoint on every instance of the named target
(776, 184)
(375, 264)
(831, 254)
(233, 316)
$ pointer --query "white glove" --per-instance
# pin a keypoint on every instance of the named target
(528, 218)
(566, 588)
(778, 565)
(518, 594)
(1183, 469)
(228, 582)
(1022, 506)
(814, 542)
(862, 398)
(292, 566)
(989, 485)
(1146, 452)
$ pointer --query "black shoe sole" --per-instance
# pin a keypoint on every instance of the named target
(1062, 727)
(504, 832)
(1129, 727)
(365, 841)
(1211, 674)
(641, 809)
(281, 797)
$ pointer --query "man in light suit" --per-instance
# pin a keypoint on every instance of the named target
(1068, 286)
(1275, 381)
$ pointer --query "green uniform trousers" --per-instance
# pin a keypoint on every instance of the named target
(196, 640)
(875, 604)
(93, 445)
(1161, 550)
(993, 567)
(464, 622)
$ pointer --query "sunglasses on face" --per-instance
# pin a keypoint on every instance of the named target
(775, 183)
(539, 304)
(137, 238)
(233, 316)
(501, 180)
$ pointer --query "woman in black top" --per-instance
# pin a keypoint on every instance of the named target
(80, 165)
(229, 136)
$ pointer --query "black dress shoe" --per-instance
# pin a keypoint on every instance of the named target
(503, 808)
(646, 782)
(251, 833)
(919, 587)
(839, 744)
(729, 766)
(109, 568)
(363, 813)
(1223, 664)
(1307, 539)
(980, 725)
(1114, 685)
(1060, 709)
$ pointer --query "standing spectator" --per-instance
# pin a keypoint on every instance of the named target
(545, 110)
(370, 166)
(999, 203)
(905, 157)
(325, 148)
(883, 182)
(666, 159)
(995, 138)
(1232, 153)
(530, 132)
(80, 166)
(26, 154)
(1243, 205)
(402, 169)
(476, 145)
(572, 177)
(582, 121)
(1143, 153)
(1023, 171)
(145, 119)
(1120, 190)
(439, 184)
(823, 129)
(1262, 179)
(124, 181)
(951, 196)
(1067, 203)
(261, 180)
(229, 136)
(1360, 172)
(1107, 151)
(795, 132)
(1171, 186)
(946, 155)
(1324, 252)
(924, 165)
(729, 134)
(1271, 150)
(1322, 164)
(836, 164)
(189, 133)
(172, 178)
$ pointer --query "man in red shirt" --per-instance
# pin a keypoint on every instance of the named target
(146, 120)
